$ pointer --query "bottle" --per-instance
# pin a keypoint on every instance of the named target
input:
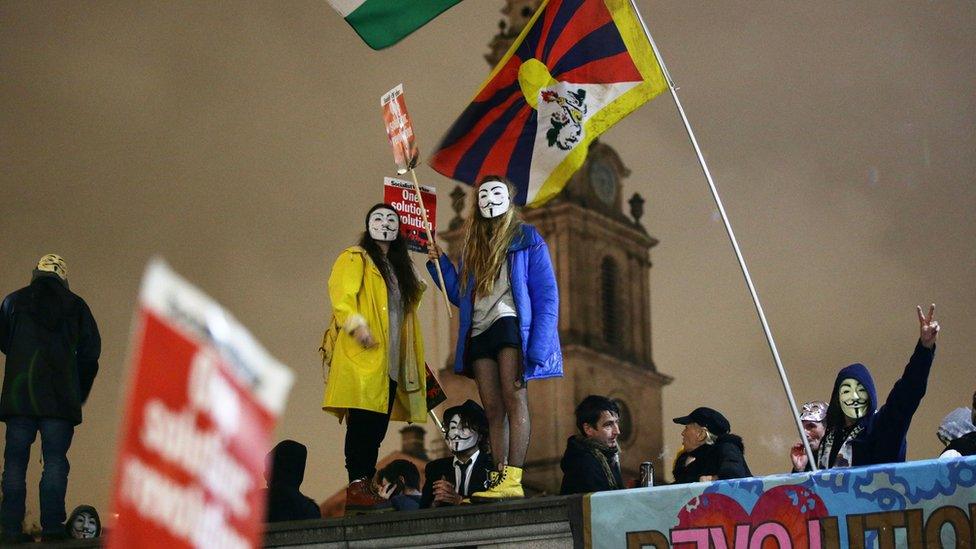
(646, 474)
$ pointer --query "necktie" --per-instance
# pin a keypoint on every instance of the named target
(463, 484)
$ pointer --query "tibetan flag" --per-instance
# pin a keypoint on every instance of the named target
(577, 68)
(382, 23)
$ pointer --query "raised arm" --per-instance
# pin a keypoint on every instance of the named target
(434, 253)
(895, 416)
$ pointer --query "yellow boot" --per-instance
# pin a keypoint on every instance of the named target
(502, 486)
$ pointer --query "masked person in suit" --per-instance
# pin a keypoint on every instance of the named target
(452, 480)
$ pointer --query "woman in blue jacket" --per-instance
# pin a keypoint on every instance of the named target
(506, 292)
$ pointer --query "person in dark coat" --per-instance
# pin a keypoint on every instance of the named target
(285, 473)
(452, 480)
(710, 451)
(857, 433)
(84, 523)
(591, 462)
(52, 345)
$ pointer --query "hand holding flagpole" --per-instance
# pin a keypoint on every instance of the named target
(399, 130)
(430, 241)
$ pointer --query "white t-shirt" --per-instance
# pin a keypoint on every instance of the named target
(499, 303)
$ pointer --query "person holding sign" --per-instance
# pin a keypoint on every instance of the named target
(505, 290)
(377, 353)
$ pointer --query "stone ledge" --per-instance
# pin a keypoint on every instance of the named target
(535, 522)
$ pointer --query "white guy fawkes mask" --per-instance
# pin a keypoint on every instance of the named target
(853, 397)
(83, 526)
(493, 199)
(460, 438)
(384, 224)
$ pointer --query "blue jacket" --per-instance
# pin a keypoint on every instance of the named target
(536, 304)
(884, 438)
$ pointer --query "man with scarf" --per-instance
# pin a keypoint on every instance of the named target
(857, 432)
(591, 462)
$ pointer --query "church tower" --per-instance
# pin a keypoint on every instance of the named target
(602, 262)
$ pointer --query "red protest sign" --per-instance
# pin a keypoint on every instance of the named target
(399, 130)
(202, 403)
(402, 197)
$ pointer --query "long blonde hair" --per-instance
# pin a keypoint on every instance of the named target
(486, 242)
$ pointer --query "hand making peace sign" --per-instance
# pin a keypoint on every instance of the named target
(928, 327)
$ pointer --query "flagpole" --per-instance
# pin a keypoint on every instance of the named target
(735, 244)
(430, 240)
(437, 422)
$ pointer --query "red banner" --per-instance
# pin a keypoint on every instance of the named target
(201, 407)
(399, 129)
(402, 197)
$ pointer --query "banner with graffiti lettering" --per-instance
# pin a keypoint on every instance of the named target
(202, 401)
(917, 504)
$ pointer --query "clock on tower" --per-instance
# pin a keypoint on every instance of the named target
(603, 180)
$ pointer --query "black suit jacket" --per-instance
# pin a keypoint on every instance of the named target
(444, 469)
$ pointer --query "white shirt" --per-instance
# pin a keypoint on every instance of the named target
(495, 305)
(467, 474)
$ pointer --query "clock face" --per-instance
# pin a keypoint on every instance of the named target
(604, 182)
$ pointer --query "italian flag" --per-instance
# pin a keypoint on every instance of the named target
(382, 23)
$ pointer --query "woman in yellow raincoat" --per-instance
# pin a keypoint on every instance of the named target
(376, 352)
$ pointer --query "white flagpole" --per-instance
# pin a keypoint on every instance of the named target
(732, 239)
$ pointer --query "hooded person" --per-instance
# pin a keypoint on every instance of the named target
(52, 345)
(591, 462)
(83, 523)
(284, 473)
(376, 352)
(861, 433)
(451, 480)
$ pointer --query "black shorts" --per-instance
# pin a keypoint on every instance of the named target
(502, 333)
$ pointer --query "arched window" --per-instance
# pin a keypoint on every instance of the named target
(609, 297)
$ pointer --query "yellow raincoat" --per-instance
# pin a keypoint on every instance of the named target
(359, 377)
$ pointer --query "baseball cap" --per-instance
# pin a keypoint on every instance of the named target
(714, 421)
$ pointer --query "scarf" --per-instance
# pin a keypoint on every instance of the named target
(844, 455)
(604, 456)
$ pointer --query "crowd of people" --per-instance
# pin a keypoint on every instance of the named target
(505, 290)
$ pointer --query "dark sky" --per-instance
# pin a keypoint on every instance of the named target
(243, 142)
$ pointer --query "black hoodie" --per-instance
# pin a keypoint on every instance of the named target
(285, 476)
(52, 345)
(725, 460)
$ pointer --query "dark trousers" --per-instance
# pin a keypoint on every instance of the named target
(56, 437)
(365, 431)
